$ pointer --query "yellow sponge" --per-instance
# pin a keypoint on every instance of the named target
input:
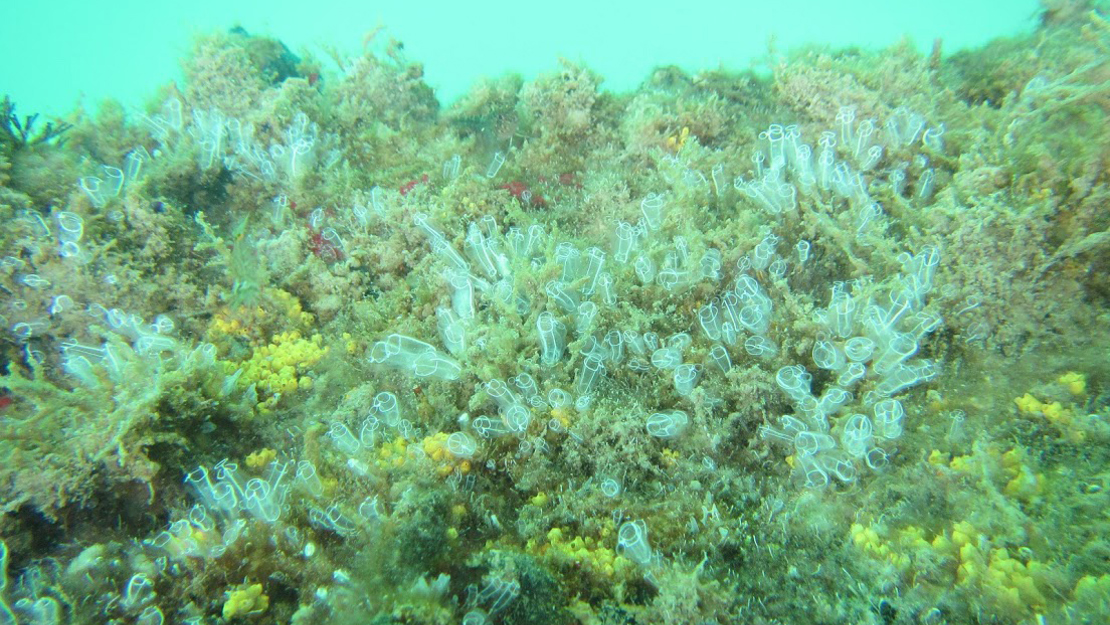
(245, 600)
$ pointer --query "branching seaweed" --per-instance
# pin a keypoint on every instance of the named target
(21, 134)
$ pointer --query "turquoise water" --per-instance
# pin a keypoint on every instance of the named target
(58, 53)
(578, 313)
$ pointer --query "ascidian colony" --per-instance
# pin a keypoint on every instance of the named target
(820, 342)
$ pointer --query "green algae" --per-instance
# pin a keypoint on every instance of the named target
(402, 530)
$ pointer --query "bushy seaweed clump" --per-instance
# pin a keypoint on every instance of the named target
(19, 134)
